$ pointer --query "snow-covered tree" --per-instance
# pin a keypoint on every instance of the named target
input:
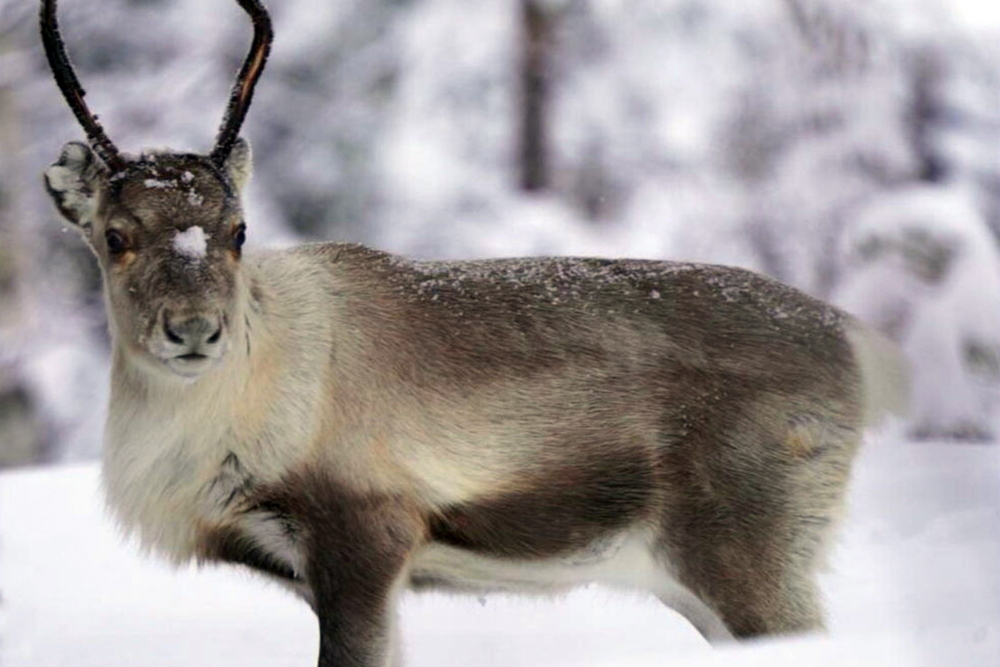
(922, 266)
(755, 133)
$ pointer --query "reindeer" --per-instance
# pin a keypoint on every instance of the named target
(353, 423)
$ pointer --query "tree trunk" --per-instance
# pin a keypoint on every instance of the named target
(534, 91)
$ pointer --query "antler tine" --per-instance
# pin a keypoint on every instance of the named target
(71, 89)
(253, 65)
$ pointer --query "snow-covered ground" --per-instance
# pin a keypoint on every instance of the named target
(914, 581)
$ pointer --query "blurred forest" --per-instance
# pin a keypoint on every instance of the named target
(848, 147)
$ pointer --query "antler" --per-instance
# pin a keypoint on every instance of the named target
(239, 99)
(71, 89)
(253, 65)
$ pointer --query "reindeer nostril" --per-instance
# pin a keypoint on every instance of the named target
(171, 336)
(214, 338)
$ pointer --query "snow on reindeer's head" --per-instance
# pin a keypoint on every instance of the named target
(167, 228)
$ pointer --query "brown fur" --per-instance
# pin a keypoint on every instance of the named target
(351, 422)
(375, 416)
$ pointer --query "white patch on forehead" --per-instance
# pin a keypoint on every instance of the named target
(158, 184)
(192, 243)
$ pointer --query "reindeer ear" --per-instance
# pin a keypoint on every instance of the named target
(239, 164)
(73, 183)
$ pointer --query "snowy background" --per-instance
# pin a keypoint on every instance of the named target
(848, 147)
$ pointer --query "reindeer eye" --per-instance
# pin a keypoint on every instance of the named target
(239, 237)
(117, 243)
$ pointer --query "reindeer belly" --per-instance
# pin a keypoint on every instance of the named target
(562, 512)
(624, 558)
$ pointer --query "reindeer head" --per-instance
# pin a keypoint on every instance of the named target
(167, 228)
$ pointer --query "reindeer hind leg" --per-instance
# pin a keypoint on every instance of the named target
(747, 536)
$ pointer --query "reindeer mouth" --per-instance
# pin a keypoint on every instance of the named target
(191, 365)
(188, 345)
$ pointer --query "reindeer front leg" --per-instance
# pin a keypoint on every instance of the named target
(355, 604)
(358, 554)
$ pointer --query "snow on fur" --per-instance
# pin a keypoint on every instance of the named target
(192, 243)
(158, 184)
